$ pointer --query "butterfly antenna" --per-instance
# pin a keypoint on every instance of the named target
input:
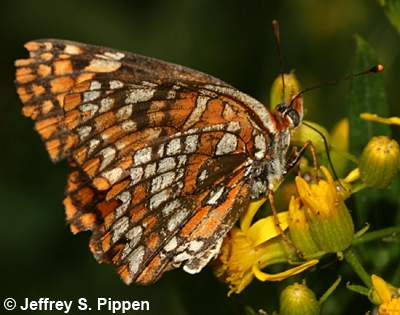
(277, 38)
(375, 69)
(326, 145)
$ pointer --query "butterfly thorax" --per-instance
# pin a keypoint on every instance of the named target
(268, 172)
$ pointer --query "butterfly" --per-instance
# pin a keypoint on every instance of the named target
(164, 159)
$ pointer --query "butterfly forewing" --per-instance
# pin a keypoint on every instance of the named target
(160, 154)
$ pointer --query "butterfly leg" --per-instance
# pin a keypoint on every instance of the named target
(296, 155)
(271, 198)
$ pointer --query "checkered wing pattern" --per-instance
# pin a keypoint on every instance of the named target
(159, 153)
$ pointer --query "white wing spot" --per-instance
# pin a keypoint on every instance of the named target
(181, 160)
(125, 197)
(115, 84)
(195, 245)
(136, 175)
(191, 143)
(215, 195)
(113, 175)
(166, 164)
(108, 155)
(128, 125)
(259, 142)
(106, 104)
(119, 228)
(171, 245)
(158, 199)
(162, 181)
(135, 259)
(167, 210)
(84, 132)
(93, 145)
(150, 170)
(143, 156)
(201, 104)
(227, 144)
(139, 95)
(101, 65)
(233, 126)
(134, 232)
(95, 85)
(177, 219)
(174, 146)
(90, 96)
(114, 55)
(92, 108)
(203, 175)
(124, 112)
(72, 49)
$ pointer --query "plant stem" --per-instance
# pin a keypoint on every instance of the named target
(329, 291)
(355, 264)
(378, 234)
(358, 289)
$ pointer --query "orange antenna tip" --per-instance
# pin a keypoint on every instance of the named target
(378, 68)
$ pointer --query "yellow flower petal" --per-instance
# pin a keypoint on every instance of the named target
(248, 215)
(381, 288)
(265, 229)
(352, 176)
(262, 276)
(382, 120)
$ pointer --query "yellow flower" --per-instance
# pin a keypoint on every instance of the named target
(252, 247)
(330, 222)
(386, 296)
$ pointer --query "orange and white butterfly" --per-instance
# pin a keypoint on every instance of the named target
(163, 159)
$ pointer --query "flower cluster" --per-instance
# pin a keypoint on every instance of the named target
(316, 220)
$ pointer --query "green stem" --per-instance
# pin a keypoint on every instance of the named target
(378, 234)
(329, 291)
(355, 264)
(358, 289)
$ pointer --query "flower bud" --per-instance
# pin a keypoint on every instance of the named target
(298, 299)
(292, 87)
(379, 162)
(299, 229)
(331, 225)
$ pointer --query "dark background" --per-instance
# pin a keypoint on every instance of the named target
(231, 40)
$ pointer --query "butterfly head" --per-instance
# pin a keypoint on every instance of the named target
(290, 114)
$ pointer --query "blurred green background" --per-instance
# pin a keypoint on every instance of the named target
(231, 40)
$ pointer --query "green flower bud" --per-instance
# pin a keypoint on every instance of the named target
(331, 225)
(379, 162)
(299, 229)
(292, 88)
(298, 299)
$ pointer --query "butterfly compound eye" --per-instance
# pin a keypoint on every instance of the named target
(293, 116)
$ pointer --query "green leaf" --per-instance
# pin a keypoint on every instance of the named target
(367, 95)
(392, 11)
